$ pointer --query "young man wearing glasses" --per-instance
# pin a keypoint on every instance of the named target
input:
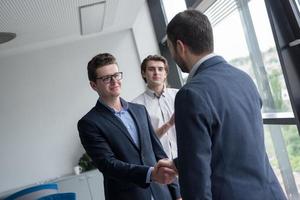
(119, 138)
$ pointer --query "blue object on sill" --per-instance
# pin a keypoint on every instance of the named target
(60, 196)
(34, 192)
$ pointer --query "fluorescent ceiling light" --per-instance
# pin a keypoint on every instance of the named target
(6, 36)
(91, 18)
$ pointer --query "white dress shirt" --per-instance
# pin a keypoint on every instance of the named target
(161, 110)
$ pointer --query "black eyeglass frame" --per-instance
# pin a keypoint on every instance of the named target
(108, 78)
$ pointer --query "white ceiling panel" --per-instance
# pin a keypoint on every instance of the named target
(42, 22)
(91, 18)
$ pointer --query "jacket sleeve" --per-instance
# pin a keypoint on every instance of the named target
(193, 121)
(98, 148)
(160, 154)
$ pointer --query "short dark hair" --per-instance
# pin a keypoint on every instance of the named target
(193, 29)
(153, 58)
(98, 61)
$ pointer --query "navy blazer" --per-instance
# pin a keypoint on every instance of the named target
(124, 165)
(221, 151)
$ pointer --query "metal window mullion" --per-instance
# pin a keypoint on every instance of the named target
(159, 23)
(279, 121)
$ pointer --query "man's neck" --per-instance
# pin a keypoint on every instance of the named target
(113, 102)
(193, 59)
(158, 89)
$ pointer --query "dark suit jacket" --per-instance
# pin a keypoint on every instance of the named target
(221, 151)
(124, 165)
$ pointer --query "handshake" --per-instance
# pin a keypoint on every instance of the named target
(164, 172)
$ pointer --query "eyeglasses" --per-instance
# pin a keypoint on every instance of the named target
(107, 79)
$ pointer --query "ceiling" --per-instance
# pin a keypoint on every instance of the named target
(40, 23)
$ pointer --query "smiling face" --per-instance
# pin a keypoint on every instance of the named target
(107, 90)
(155, 73)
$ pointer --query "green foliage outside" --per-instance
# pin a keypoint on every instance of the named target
(293, 146)
(276, 88)
(290, 132)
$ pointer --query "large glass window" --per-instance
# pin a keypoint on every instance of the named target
(244, 38)
(292, 148)
(298, 4)
(171, 8)
(270, 58)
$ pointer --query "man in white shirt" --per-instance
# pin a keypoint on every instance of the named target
(159, 101)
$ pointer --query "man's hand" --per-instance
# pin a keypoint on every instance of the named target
(172, 120)
(168, 164)
(164, 172)
(165, 127)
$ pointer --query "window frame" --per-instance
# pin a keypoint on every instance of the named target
(284, 22)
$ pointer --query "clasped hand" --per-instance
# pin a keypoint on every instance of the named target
(164, 172)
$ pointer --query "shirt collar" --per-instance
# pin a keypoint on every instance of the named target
(152, 94)
(197, 65)
(123, 103)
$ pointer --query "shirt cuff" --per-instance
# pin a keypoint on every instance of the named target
(148, 178)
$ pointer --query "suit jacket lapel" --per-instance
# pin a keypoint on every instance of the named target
(107, 114)
(135, 117)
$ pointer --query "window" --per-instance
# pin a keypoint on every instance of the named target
(291, 147)
(171, 8)
(298, 4)
(243, 36)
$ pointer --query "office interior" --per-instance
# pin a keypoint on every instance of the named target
(45, 89)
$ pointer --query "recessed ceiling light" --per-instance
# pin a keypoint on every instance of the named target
(91, 18)
(6, 36)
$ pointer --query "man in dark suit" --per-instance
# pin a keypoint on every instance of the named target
(221, 151)
(119, 138)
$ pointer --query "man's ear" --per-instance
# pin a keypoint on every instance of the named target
(143, 73)
(93, 85)
(180, 47)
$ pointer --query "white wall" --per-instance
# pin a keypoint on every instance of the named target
(44, 93)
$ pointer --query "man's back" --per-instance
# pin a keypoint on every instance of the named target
(220, 137)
